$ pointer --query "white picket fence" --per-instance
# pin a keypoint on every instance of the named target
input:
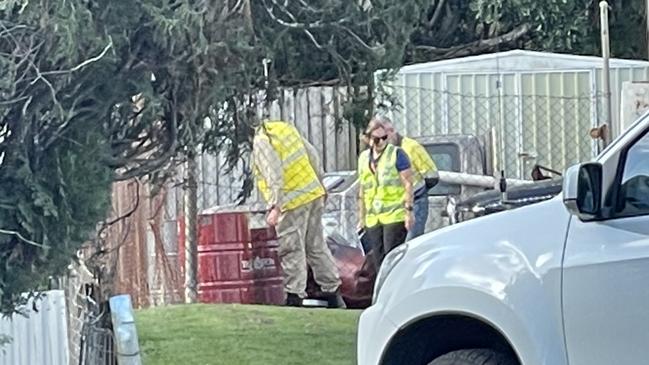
(40, 337)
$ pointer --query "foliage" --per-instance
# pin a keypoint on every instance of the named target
(93, 91)
(452, 28)
(4, 340)
(356, 38)
(627, 23)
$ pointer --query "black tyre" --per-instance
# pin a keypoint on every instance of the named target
(474, 357)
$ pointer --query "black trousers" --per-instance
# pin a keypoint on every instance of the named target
(381, 239)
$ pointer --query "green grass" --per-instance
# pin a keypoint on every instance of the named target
(246, 335)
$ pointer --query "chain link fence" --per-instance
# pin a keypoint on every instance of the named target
(470, 137)
(552, 131)
(473, 139)
(90, 338)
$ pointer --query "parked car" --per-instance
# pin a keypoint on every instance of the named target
(493, 201)
(560, 282)
(358, 272)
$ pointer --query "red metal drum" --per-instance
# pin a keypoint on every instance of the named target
(237, 259)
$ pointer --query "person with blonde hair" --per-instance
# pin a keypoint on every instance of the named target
(385, 194)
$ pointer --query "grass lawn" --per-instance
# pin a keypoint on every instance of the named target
(203, 334)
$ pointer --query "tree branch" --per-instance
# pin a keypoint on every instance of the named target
(22, 238)
(477, 46)
(152, 164)
(130, 212)
(84, 63)
(438, 12)
(13, 101)
(295, 24)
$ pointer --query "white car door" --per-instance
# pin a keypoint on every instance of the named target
(606, 267)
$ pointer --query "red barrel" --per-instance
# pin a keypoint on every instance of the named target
(237, 259)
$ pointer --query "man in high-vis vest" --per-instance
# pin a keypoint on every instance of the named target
(289, 174)
(424, 172)
(385, 194)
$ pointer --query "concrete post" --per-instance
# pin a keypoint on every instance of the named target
(126, 341)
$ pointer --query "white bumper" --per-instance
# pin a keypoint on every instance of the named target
(374, 332)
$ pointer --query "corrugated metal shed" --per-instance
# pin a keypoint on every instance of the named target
(39, 337)
(520, 60)
(539, 105)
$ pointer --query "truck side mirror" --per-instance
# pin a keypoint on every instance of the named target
(582, 190)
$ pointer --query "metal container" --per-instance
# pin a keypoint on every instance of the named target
(540, 105)
(237, 257)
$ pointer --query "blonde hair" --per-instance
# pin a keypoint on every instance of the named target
(378, 121)
(373, 125)
(382, 119)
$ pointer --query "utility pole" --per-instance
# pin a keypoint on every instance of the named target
(606, 73)
(646, 17)
(191, 236)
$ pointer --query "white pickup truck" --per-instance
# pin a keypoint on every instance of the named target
(564, 281)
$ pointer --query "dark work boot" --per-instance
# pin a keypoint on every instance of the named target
(293, 300)
(335, 300)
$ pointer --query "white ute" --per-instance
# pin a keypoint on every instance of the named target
(565, 281)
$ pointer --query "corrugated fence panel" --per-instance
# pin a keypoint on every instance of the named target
(538, 117)
(555, 128)
(510, 127)
(618, 76)
(302, 112)
(412, 105)
(314, 112)
(394, 90)
(347, 138)
(217, 185)
(39, 338)
(315, 121)
(541, 106)
(331, 135)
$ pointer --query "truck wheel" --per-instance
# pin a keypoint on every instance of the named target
(474, 357)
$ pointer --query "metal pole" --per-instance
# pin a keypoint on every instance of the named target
(606, 74)
(647, 24)
(191, 236)
(267, 104)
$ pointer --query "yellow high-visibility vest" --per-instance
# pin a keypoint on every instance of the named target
(301, 184)
(383, 192)
(422, 164)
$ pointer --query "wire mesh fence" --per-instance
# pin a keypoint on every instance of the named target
(471, 139)
(471, 134)
(526, 129)
(518, 136)
(90, 338)
(143, 243)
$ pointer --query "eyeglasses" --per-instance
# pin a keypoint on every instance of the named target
(379, 139)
